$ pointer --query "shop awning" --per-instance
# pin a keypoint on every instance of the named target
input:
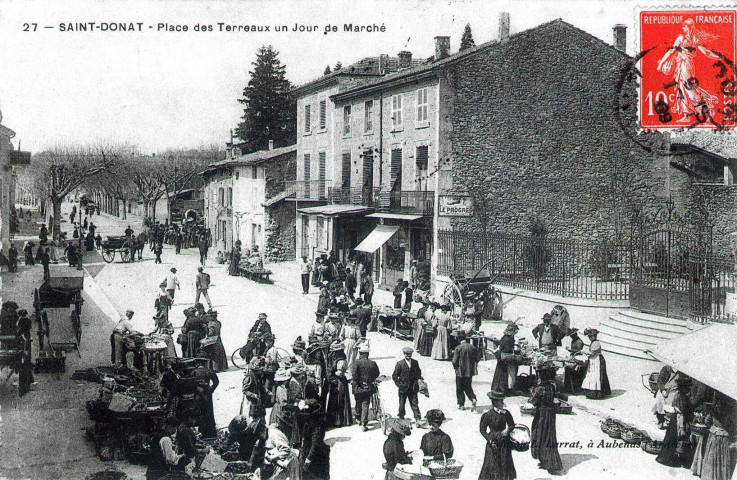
(330, 210)
(395, 216)
(378, 237)
(707, 355)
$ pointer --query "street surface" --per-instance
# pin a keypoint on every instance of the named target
(43, 433)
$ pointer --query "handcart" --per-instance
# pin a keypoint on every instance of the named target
(58, 307)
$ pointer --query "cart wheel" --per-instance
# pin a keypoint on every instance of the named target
(108, 255)
(237, 360)
(125, 255)
(452, 294)
(77, 326)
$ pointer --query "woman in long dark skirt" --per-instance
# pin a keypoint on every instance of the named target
(544, 439)
(207, 383)
(495, 426)
(504, 363)
(676, 450)
(216, 352)
(338, 401)
(427, 337)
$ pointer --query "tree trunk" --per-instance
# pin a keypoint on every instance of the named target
(153, 210)
(145, 208)
(125, 209)
(56, 227)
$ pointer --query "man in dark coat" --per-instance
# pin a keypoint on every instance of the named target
(203, 246)
(45, 261)
(406, 376)
(464, 363)
(574, 374)
(43, 233)
(178, 242)
(350, 283)
(363, 316)
(12, 258)
(547, 335)
(365, 373)
(397, 292)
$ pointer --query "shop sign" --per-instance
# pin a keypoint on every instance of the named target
(20, 158)
(455, 206)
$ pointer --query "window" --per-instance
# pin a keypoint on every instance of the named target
(347, 120)
(230, 197)
(323, 114)
(254, 172)
(422, 105)
(346, 170)
(421, 157)
(221, 196)
(396, 111)
(321, 175)
(306, 177)
(368, 117)
(395, 171)
(307, 119)
(320, 232)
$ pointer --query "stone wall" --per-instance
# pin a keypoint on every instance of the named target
(280, 232)
(535, 134)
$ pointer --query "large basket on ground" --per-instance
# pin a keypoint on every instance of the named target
(519, 438)
(652, 382)
(632, 435)
(612, 428)
(652, 447)
(449, 468)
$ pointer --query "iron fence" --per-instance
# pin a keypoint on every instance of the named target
(572, 268)
(712, 279)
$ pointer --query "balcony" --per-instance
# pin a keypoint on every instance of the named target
(308, 190)
(409, 202)
(365, 196)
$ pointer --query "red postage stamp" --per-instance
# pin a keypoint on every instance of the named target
(688, 72)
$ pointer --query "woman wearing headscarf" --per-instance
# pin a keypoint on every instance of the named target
(338, 400)
(254, 393)
(350, 334)
(667, 380)
(436, 443)
(596, 382)
(676, 445)
(505, 373)
(495, 426)
(543, 435)
(281, 395)
(440, 345)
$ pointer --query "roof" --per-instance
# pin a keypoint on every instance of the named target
(395, 216)
(693, 148)
(368, 67)
(430, 67)
(255, 158)
(706, 354)
(335, 210)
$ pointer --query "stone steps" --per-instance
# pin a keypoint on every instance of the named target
(631, 333)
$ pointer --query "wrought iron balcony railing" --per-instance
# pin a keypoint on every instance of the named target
(308, 189)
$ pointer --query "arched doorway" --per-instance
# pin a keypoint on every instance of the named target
(190, 215)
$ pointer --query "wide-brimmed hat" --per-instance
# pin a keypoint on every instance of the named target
(173, 270)
(511, 328)
(547, 316)
(495, 395)
(590, 331)
(299, 344)
(282, 375)
(435, 416)
(337, 347)
(257, 363)
(262, 316)
(22, 312)
(401, 427)
(298, 369)
(364, 348)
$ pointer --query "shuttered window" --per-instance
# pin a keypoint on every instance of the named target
(421, 157)
(346, 170)
(396, 169)
(422, 105)
(307, 175)
(368, 116)
(347, 120)
(397, 111)
(323, 114)
(308, 124)
(321, 175)
(368, 169)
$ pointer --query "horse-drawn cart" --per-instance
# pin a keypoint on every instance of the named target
(58, 307)
(116, 244)
(479, 290)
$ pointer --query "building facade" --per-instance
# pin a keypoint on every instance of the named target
(218, 204)
(6, 183)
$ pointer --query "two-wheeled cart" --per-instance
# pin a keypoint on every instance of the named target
(58, 307)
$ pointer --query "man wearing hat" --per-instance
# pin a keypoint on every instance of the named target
(122, 328)
(261, 327)
(172, 282)
(464, 363)
(397, 292)
(202, 283)
(547, 335)
(574, 374)
(406, 376)
(365, 373)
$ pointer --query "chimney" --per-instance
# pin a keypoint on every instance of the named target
(442, 47)
(271, 144)
(620, 37)
(405, 59)
(383, 63)
(503, 26)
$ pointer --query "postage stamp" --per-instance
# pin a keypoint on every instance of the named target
(686, 61)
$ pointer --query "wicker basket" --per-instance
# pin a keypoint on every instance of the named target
(653, 447)
(611, 428)
(699, 429)
(450, 469)
(563, 408)
(631, 435)
(520, 446)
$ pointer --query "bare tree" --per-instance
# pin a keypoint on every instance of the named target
(146, 173)
(60, 170)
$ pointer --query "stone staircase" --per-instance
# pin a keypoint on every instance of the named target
(630, 332)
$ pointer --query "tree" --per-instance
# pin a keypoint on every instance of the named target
(467, 38)
(61, 170)
(327, 71)
(338, 67)
(146, 178)
(270, 111)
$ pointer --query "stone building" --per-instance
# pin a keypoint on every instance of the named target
(253, 210)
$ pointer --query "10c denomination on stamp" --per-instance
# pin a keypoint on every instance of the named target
(687, 65)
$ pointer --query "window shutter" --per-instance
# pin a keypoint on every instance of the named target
(396, 169)
(346, 173)
(321, 175)
(323, 113)
(307, 118)
(421, 157)
(307, 176)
